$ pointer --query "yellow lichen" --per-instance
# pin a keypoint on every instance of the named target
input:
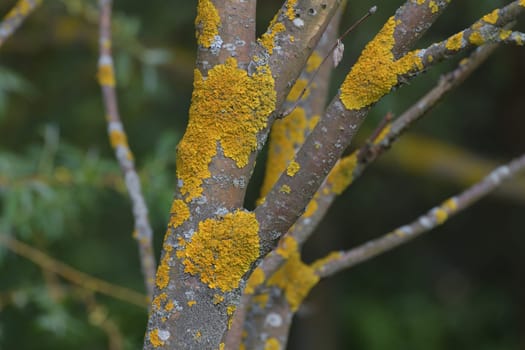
(221, 346)
(255, 280)
(296, 90)
(159, 300)
(217, 299)
(311, 208)
(454, 42)
(314, 61)
(179, 213)
(476, 38)
(286, 136)
(293, 168)
(118, 138)
(222, 249)
(440, 215)
(268, 39)
(285, 189)
(230, 309)
(191, 303)
(376, 71)
(492, 17)
(105, 75)
(341, 176)
(207, 23)
(290, 13)
(504, 34)
(228, 108)
(169, 306)
(294, 277)
(154, 338)
(522, 3)
(433, 6)
(198, 335)
(450, 205)
(384, 132)
(163, 271)
(333, 256)
(261, 299)
(272, 344)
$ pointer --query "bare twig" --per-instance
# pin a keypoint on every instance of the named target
(15, 17)
(434, 217)
(143, 232)
(72, 275)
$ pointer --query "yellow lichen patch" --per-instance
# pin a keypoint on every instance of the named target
(230, 108)
(198, 335)
(290, 13)
(159, 300)
(314, 61)
(255, 280)
(221, 346)
(294, 277)
(169, 306)
(261, 299)
(476, 38)
(433, 6)
(207, 23)
(319, 263)
(311, 208)
(440, 215)
(450, 205)
(118, 138)
(222, 249)
(285, 189)
(272, 344)
(376, 72)
(268, 39)
(230, 309)
(286, 247)
(154, 338)
(454, 42)
(522, 3)
(341, 176)
(286, 136)
(296, 90)
(384, 132)
(191, 303)
(105, 75)
(163, 271)
(293, 168)
(179, 213)
(504, 34)
(492, 17)
(217, 299)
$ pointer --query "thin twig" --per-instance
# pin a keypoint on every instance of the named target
(72, 275)
(433, 218)
(15, 17)
(143, 232)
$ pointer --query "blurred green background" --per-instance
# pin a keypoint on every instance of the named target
(460, 287)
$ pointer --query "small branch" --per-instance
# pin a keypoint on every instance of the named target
(15, 17)
(72, 275)
(433, 218)
(143, 232)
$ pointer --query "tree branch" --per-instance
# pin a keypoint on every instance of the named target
(74, 276)
(16, 17)
(143, 232)
(434, 217)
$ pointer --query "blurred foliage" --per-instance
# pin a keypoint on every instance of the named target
(61, 190)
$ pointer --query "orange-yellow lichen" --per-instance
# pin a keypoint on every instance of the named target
(454, 42)
(230, 309)
(314, 61)
(191, 303)
(522, 3)
(198, 335)
(163, 271)
(255, 280)
(118, 138)
(311, 208)
(296, 90)
(217, 299)
(319, 263)
(228, 108)
(504, 34)
(105, 75)
(292, 168)
(285, 189)
(440, 215)
(476, 38)
(376, 71)
(294, 277)
(222, 249)
(384, 132)
(159, 300)
(272, 344)
(154, 338)
(268, 39)
(261, 299)
(207, 23)
(179, 213)
(450, 205)
(342, 175)
(290, 12)
(433, 6)
(492, 17)
(286, 136)
(169, 306)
